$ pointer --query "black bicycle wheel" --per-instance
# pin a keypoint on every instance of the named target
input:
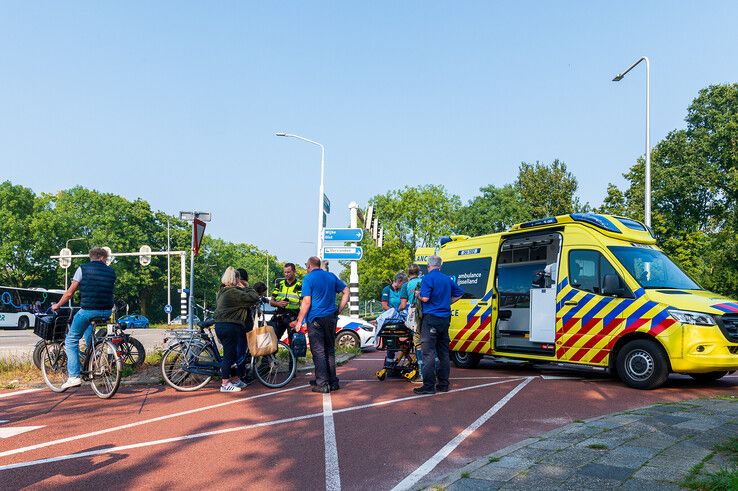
(54, 366)
(105, 370)
(175, 366)
(276, 370)
(132, 352)
(38, 353)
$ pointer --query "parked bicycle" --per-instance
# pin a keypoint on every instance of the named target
(193, 359)
(101, 362)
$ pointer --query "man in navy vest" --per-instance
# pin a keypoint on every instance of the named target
(95, 281)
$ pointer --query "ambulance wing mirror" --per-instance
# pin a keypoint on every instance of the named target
(611, 285)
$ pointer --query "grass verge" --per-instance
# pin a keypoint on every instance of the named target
(724, 478)
(18, 373)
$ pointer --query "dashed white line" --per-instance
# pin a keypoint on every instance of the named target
(9, 431)
(332, 471)
(431, 463)
(143, 422)
(18, 393)
(215, 432)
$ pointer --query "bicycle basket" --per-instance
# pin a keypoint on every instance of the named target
(51, 327)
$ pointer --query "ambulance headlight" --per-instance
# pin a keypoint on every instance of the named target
(695, 318)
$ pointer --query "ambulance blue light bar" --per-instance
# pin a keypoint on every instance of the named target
(536, 223)
(596, 220)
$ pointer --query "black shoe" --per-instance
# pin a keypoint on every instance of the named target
(442, 389)
(335, 387)
(423, 390)
(323, 389)
(313, 383)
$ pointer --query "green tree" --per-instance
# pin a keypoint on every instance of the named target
(417, 216)
(548, 190)
(614, 203)
(17, 209)
(495, 210)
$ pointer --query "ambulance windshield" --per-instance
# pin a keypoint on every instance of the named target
(653, 269)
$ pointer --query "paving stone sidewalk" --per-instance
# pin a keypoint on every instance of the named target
(650, 448)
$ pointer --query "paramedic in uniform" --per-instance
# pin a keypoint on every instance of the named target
(437, 292)
(286, 297)
(318, 309)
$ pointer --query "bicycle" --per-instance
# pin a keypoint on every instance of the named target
(101, 363)
(192, 361)
(132, 351)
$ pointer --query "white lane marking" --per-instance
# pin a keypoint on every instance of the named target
(410, 398)
(3, 421)
(18, 393)
(143, 422)
(225, 430)
(559, 377)
(431, 463)
(332, 471)
(16, 430)
(155, 442)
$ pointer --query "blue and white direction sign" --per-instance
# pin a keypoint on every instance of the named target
(343, 234)
(167, 309)
(343, 252)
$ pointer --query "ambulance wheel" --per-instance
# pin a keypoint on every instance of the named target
(465, 360)
(708, 377)
(382, 374)
(642, 364)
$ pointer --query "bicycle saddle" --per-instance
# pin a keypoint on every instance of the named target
(206, 323)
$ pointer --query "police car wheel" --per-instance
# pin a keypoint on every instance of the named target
(642, 364)
(348, 340)
(465, 360)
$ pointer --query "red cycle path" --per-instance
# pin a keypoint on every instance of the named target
(267, 438)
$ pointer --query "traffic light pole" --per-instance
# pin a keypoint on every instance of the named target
(354, 276)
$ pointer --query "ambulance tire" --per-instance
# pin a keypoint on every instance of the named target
(465, 360)
(642, 364)
(708, 377)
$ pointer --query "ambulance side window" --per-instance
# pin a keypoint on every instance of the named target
(470, 274)
(590, 271)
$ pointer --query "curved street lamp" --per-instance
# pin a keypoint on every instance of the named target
(618, 78)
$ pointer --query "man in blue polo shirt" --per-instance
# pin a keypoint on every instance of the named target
(437, 292)
(318, 309)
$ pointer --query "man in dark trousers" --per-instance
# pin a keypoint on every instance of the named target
(437, 292)
(318, 309)
(96, 281)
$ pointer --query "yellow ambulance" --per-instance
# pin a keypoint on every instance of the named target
(586, 289)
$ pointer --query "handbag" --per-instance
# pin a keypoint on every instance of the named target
(262, 340)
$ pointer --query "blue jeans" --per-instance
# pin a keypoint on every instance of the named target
(80, 327)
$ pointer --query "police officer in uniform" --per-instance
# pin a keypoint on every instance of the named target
(286, 297)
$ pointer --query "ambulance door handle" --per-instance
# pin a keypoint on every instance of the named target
(571, 302)
(482, 303)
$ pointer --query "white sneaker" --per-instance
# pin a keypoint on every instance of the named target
(72, 382)
(229, 387)
(240, 384)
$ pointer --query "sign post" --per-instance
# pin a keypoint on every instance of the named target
(357, 234)
(198, 218)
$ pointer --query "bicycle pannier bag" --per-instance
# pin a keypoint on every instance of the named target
(261, 339)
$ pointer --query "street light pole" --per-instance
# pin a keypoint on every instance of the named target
(321, 192)
(618, 78)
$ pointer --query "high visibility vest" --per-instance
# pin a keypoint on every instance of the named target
(290, 293)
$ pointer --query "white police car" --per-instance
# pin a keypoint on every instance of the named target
(354, 333)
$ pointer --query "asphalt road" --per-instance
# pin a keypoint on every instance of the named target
(19, 344)
(369, 434)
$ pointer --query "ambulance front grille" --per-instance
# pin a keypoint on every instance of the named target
(729, 325)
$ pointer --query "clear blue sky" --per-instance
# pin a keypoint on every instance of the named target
(178, 102)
